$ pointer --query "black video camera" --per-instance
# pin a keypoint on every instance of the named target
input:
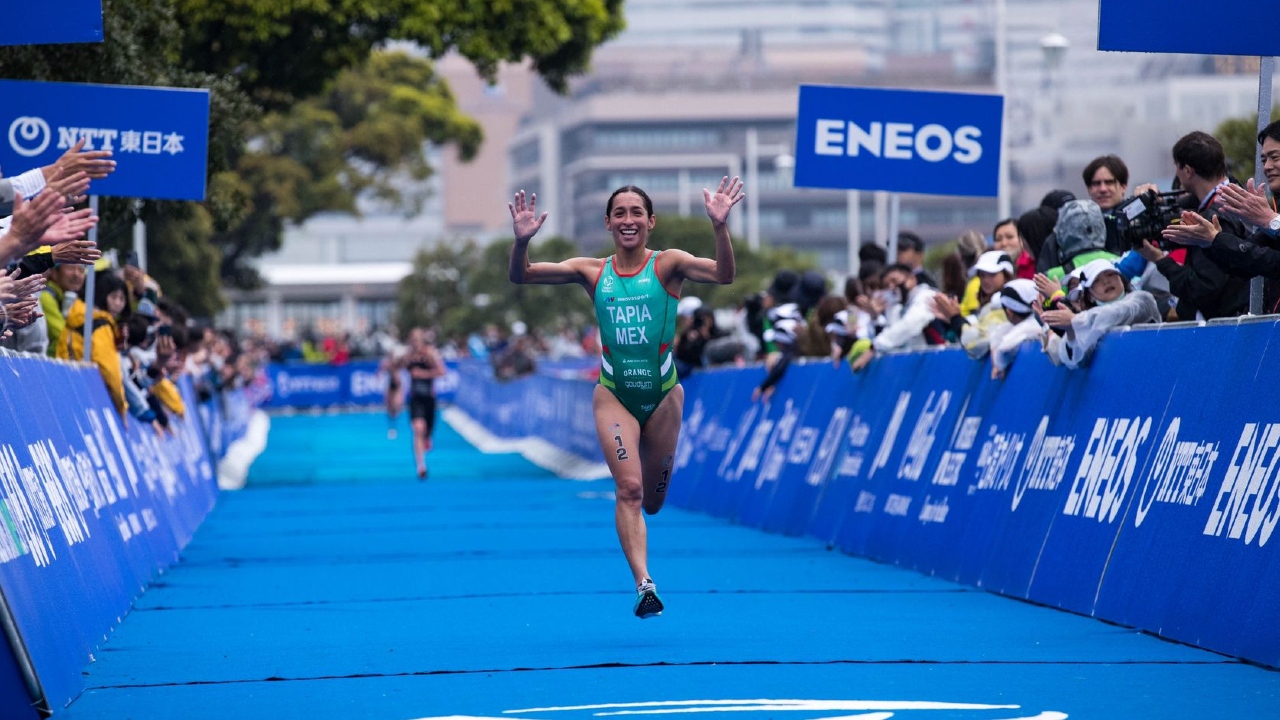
(1143, 217)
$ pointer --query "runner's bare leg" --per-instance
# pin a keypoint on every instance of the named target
(619, 434)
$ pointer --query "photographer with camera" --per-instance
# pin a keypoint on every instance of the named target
(1243, 255)
(1107, 180)
(1204, 288)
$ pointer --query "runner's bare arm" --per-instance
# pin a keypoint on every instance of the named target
(525, 223)
(438, 369)
(722, 268)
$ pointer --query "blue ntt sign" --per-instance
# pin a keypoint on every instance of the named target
(160, 136)
(1230, 27)
(898, 140)
(23, 22)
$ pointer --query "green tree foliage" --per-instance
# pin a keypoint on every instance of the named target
(436, 294)
(1239, 138)
(143, 48)
(461, 289)
(363, 136)
(292, 48)
(755, 269)
(305, 115)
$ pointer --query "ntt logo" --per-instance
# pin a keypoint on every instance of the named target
(29, 136)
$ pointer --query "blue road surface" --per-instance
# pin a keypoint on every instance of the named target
(337, 586)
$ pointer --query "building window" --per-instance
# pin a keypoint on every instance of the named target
(655, 139)
(527, 155)
(773, 220)
(829, 218)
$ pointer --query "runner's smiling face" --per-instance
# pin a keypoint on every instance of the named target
(629, 221)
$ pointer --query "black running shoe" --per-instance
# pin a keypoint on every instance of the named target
(648, 604)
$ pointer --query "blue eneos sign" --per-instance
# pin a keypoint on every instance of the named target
(898, 140)
(1233, 27)
(39, 23)
(160, 136)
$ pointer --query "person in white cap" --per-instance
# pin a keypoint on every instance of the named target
(992, 271)
(1018, 300)
(1107, 301)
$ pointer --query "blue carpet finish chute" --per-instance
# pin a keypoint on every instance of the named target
(1142, 489)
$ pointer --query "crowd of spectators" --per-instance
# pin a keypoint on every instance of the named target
(140, 341)
(1061, 275)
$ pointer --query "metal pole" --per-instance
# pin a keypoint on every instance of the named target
(753, 189)
(1004, 200)
(140, 238)
(22, 657)
(89, 289)
(853, 214)
(1265, 70)
(895, 213)
(882, 218)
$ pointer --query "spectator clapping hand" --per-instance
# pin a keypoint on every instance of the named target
(69, 226)
(13, 289)
(1249, 203)
(1060, 316)
(76, 252)
(95, 164)
(1047, 286)
(1194, 229)
(945, 307)
(32, 219)
(72, 187)
(21, 313)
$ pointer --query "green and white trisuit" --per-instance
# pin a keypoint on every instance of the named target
(637, 320)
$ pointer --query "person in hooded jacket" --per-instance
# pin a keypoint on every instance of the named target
(110, 307)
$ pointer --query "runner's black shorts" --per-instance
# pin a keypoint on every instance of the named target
(422, 404)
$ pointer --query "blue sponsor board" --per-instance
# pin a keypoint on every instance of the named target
(309, 385)
(898, 140)
(554, 406)
(1233, 27)
(41, 23)
(1137, 493)
(159, 136)
(93, 509)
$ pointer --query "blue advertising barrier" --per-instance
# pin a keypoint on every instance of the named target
(554, 405)
(1172, 26)
(93, 509)
(898, 140)
(1144, 489)
(159, 136)
(311, 385)
(40, 23)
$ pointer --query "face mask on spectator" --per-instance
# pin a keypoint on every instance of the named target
(1102, 281)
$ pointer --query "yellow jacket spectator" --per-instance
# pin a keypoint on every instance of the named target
(167, 393)
(970, 304)
(61, 280)
(111, 302)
